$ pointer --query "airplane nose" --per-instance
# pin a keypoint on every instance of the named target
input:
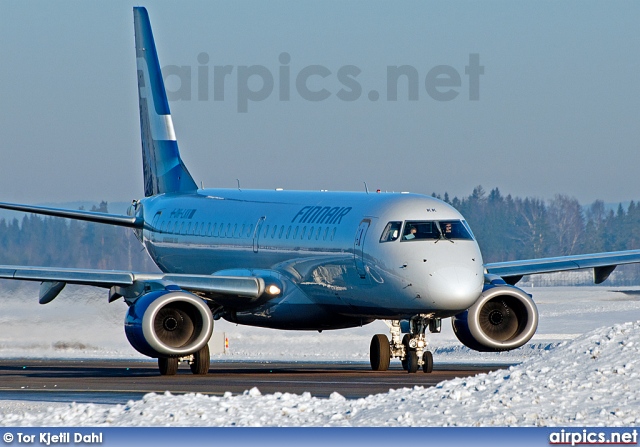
(454, 287)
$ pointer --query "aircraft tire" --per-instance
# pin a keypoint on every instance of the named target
(201, 361)
(168, 366)
(412, 361)
(379, 353)
(405, 360)
(427, 358)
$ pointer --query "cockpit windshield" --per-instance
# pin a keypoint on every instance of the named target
(454, 229)
(427, 230)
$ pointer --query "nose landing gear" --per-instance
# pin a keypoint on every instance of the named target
(411, 349)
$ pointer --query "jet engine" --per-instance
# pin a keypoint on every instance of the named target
(168, 324)
(503, 318)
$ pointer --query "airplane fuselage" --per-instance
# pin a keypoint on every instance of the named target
(326, 248)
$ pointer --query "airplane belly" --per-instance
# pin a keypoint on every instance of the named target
(295, 311)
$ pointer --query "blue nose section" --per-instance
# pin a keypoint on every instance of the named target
(455, 287)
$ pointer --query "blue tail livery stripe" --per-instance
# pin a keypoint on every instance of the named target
(164, 171)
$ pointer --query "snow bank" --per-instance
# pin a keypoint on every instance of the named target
(590, 381)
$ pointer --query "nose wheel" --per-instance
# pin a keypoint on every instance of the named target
(411, 349)
(379, 353)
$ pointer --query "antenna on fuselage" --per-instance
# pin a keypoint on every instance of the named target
(238, 180)
(365, 187)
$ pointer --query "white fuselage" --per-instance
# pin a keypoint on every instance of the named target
(325, 248)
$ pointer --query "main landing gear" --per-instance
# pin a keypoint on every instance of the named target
(198, 361)
(411, 349)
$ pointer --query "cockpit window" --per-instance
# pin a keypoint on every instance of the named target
(391, 232)
(454, 229)
(435, 230)
(420, 230)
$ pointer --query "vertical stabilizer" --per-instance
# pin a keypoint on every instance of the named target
(163, 169)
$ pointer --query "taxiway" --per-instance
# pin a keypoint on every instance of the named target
(108, 381)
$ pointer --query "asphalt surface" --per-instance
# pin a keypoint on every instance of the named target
(108, 381)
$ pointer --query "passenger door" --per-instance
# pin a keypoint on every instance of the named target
(256, 234)
(358, 247)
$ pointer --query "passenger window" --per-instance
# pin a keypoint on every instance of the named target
(273, 232)
(391, 232)
(318, 233)
(266, 231)
(288, 231)
(304, 230)
(281, 231)
(235, 228)
(324, 236)
(242, 230)
(209, 229)
(310, 233)
(249, 230)
(295, 232)
(214, 232)
(333, 233)
(227, 233)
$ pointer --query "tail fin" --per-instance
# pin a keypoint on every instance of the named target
(163, 169)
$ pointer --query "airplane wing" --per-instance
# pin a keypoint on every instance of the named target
(225, 290)
(601, 263)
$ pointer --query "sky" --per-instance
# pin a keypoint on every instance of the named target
(536, 98)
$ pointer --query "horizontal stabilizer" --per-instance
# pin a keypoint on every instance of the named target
(90, 216)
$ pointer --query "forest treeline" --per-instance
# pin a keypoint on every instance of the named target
(507, 228)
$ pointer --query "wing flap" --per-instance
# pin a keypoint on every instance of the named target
(98, 278)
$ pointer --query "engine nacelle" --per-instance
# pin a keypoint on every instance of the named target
(168, 324)
(503, 318)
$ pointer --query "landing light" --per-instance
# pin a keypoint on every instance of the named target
(273, 290)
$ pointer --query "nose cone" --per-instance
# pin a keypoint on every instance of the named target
(455, 287)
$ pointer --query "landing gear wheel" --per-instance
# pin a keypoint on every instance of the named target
(412, 361)
(405, 342)
(427, 358)
(168, 366)
(379, 353)
(201, 361)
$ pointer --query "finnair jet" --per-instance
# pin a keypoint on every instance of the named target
(297, 260)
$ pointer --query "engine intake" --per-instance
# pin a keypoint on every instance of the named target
(503, 318)
(168, 323)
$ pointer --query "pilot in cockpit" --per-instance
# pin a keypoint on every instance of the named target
(411, 234)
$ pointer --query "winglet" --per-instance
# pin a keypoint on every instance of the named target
(163, 169)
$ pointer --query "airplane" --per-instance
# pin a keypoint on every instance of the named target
(297, 260)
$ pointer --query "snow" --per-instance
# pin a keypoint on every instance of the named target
(582, 369)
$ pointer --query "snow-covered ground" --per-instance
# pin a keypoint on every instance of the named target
(582, 368)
